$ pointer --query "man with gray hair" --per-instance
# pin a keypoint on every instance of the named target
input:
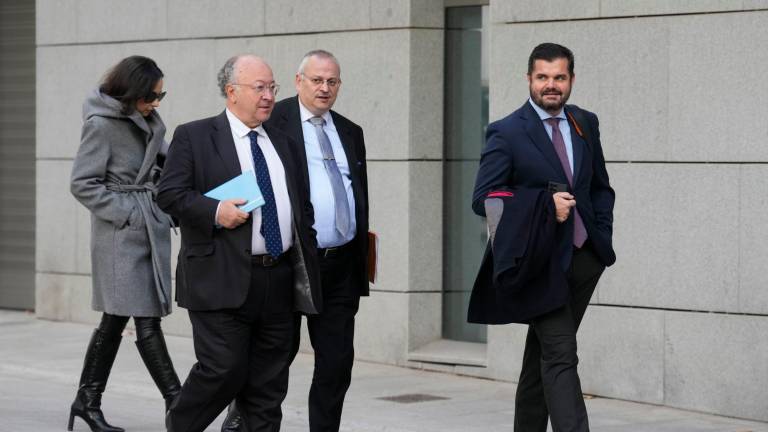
(332, 155)
(241, 275)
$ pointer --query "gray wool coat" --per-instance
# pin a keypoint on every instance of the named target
(113, 176)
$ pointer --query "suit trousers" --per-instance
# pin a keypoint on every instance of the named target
(332, 336)
(549, 383)
(242, 354)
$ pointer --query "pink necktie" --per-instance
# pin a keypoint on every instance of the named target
(579, 231)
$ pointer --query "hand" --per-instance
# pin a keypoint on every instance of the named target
(229, 215)
(563, 203)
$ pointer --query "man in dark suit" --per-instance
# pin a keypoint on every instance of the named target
(241, 275)
(543, 142)
(332, 152)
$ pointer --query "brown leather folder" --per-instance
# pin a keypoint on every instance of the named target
(373, 255)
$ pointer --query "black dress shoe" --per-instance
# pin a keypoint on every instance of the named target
(233, 421)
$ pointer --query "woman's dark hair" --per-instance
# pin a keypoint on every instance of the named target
(131, 80)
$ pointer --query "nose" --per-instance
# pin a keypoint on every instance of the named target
(156, 103)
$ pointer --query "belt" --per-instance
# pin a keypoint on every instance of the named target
(336, 251)
(266, 260)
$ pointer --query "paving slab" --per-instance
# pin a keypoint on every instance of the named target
(40, 365)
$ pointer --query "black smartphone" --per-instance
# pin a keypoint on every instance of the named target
(554, 187)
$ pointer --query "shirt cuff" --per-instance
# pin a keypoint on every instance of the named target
(216, 216)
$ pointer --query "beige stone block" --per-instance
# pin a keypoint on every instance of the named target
(296, 16)
(381, 332)
(79, 301)
(225, 18)
(55, 215)
(425, 230)
(55, 22)
(506, 344)
(713, 117)
(753, 255)
(388, 186)
(716, 363)
(610, 8)
(115, 20)
(425, 87)
(424, 318)
(611, 344)
(675, 250)
(546, 10)
(51, 297)
(190, 79)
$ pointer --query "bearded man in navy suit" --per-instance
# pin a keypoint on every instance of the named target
(546, 143)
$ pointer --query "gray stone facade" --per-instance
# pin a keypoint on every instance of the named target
(680, 320)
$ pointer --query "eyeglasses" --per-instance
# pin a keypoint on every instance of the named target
(317, 82)
(261, 88)
(152, 96)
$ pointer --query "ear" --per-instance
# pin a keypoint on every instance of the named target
(230, 89)
(297, 81)
(528, 77)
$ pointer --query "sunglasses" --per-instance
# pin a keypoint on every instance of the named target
(152, 96)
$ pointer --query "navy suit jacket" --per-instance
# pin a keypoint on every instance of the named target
(287, 118)
(520, 277)
(519, 155)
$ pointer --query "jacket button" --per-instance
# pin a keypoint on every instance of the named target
(247, 251)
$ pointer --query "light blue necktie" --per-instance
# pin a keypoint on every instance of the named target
(339, 193)
(270, 225)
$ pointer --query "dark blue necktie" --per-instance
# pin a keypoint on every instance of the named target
(270, 226)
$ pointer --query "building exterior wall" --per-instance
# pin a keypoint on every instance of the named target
(680, 320)
(17, 154)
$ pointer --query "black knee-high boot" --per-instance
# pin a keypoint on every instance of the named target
(98, 362)
(154, 352)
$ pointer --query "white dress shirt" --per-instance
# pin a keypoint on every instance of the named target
(277, 176)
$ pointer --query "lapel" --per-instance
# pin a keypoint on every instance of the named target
(225, 145)
(290, 123)
(347, 141)
(290, 120)
(535, 129)
(284, 153)
(154, 134)
(579, 147)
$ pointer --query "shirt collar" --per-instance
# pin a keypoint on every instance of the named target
(543, 115)
(306, 115)
(239, 128)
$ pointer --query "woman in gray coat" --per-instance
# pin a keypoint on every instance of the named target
(114, 176)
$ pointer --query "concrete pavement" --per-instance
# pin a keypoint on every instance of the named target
(40, 364)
